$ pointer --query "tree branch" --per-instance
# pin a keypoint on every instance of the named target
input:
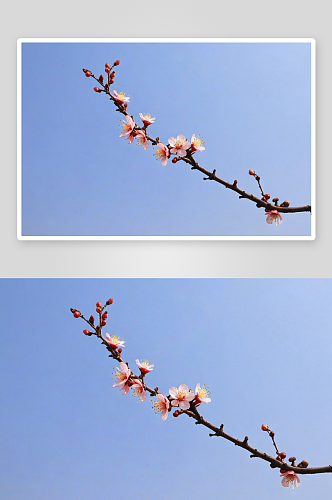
(260, 202)
(192, 412)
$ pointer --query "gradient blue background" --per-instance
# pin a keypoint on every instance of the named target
(250, 102)
(263, 347)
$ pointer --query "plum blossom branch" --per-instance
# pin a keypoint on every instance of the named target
(186, 402)
(184, 150)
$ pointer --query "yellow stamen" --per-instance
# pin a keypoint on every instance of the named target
(203, 392)
(198, 141)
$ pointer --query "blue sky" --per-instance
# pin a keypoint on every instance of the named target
(263, 347)
(250, 102)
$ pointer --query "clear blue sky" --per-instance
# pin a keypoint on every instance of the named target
(249, 101)
(263, 347)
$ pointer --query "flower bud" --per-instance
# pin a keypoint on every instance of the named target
(119, 350)
(98, 310)
(275, 200)
(282, 455)
(88, 73)
(111, 81)
(303, 464)
(98, 304)
(104, 315)
(267, 196)
(92, 319)
(285, 204)
(264, 427)
(77, 314)
(251, 172)
(258, 177)
(176, 413)
(174, 160)
(112, 75)
(103, 323)
(271, 433)
(87, 332)
(101, 78)
(110, 301)
(117, 62)
(96, 89)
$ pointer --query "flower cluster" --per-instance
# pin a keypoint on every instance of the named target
(178, 146)
(124, 381)
(180, 397)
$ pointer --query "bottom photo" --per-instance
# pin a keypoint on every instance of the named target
(166, 388)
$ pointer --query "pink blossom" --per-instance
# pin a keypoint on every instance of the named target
(146, 119)
(196, 143)
(201, 394)
(162, 153)
(127, 127)
(144, 366)
(179, 145)
(122, 376)
(138, 389)
(132, 136)
(273, 216)
(142, 140)
(162, 406)
(181, 396)
(120, 97)
(290, 477)
(114, 341)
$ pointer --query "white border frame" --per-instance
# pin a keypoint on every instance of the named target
(312, 41)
